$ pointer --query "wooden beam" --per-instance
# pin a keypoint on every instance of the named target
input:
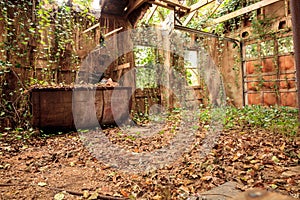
(244, 10)
(200, 4)
(91, 28)
(191, 30)
(123, 66)
(189, 18)
(134, 6)
(161, 4)
(258, 194)
(191, 15)
(112, 32)
(176, 4)
(170, 5)
(119, 69)
(295, 9)
(152, 11)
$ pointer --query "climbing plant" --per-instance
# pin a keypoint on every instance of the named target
(37, 41)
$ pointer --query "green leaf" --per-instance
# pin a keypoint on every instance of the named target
(275, 159)
(273, 186)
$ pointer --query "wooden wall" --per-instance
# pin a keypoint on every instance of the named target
(104, 58)
(34, 67)
(227, 59)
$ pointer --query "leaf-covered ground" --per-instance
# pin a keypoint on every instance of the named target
(45, 167)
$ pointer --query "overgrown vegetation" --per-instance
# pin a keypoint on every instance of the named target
(37, 44)
(282, 120)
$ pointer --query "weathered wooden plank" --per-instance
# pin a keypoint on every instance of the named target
(35, 99)
(152, 11)
(258, 194)
(91, 28)
(176, 4)
(200, 4)
(112, 32)
(56, 108)
(119, 69)
(159, 3)
(244, 10)
(189, 18)
(134, 6)
(123, 66)
(170, 5)
(221, 192)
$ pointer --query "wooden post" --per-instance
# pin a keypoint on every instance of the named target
(165, 78)
(295, 9)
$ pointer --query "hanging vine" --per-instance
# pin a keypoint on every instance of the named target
(37, 42)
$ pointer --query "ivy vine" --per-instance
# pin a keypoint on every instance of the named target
(37, 42)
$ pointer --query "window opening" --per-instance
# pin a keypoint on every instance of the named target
(191, 67)
(251, 51)
(285, 45)
(145, 62)
(267, 48)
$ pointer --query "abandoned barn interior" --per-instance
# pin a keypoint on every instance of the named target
(215, 79)
(251, 47)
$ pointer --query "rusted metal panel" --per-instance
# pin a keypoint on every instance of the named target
(268, 78)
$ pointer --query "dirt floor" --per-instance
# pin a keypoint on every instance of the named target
(61, 167)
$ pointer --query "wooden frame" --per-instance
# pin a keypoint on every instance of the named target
(171, 4)
(200, 4)
(244, 10)
(134, 6)
(152, 11)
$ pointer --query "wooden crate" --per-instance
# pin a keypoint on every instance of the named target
(57, 107)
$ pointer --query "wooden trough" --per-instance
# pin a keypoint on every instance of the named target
(55, 107)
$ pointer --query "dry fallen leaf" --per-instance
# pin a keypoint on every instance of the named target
(124, 193)
(59, 196)
(42, 184)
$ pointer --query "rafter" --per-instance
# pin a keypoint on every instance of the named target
(152, 11)
(134, 6)
(189, 18)
(176, 4)
(245, 10)
(200, 4)
(170, 4)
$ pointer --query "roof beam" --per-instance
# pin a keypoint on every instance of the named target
(170, 4)
(245, 10)
(192, 30)
(134, 6)
(158, 3)
(176, 4)
(92, 27)
(152, 11)
(189, 18)
(112, 32)
(200, 4)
